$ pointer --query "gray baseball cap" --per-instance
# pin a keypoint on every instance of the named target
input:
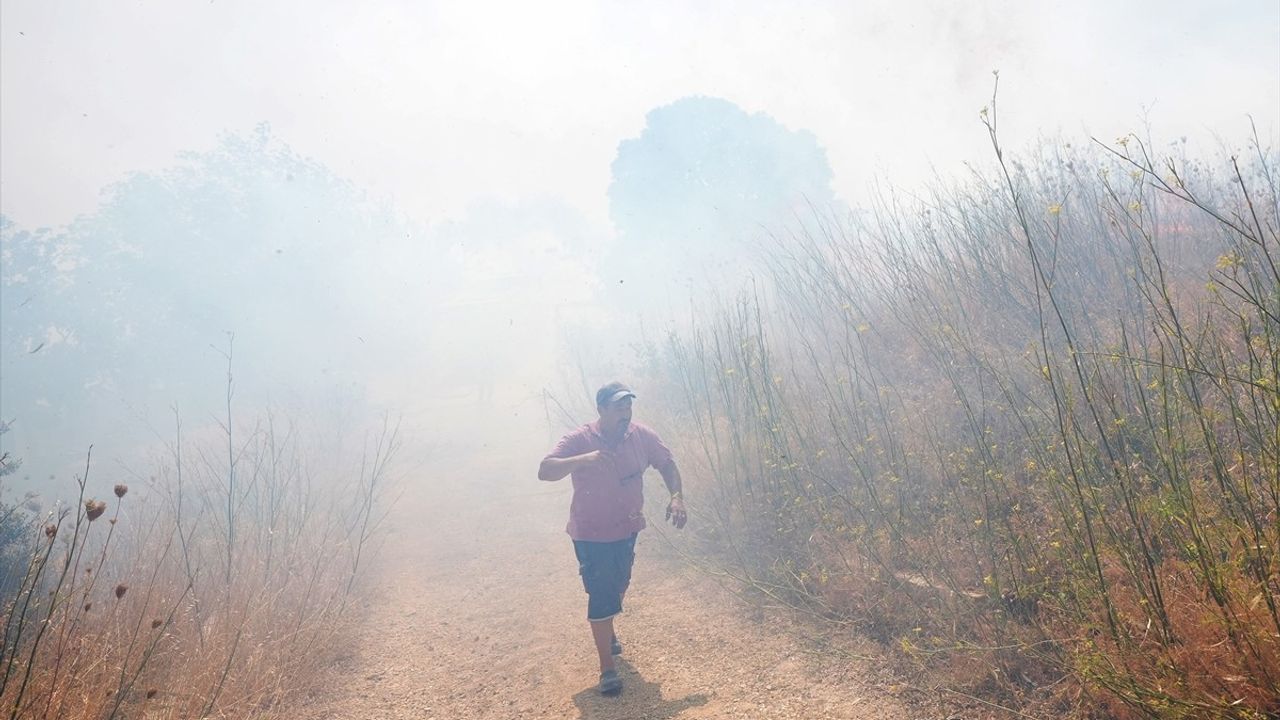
(612, 393)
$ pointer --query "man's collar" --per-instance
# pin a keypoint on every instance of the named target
(594, 427)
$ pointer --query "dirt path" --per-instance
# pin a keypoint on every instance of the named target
(478, 612)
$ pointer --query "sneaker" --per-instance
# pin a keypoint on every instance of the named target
(615, 647)
(610, 682)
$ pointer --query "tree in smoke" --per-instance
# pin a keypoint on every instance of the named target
(112, 316)
(699, 189)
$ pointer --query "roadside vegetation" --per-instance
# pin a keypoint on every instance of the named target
(1025, 428)
(214, 580)
(216, 588)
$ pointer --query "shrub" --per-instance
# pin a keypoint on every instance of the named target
(1024, 427)
(219, 590)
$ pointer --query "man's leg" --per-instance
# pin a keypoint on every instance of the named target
(602, 634)
(615, 647)
(626, 560)
(606, 573)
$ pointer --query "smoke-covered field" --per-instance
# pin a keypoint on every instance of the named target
(973, 378)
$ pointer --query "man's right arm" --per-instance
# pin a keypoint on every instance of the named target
(554, 468)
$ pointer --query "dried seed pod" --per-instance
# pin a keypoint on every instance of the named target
(121, 489)
(93, 509)
(51, 531)
(121, 589)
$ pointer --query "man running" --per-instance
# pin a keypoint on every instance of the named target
(607, 460)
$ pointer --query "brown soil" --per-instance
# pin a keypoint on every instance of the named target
(477, 611)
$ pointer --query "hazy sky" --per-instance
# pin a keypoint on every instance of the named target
(444, 105)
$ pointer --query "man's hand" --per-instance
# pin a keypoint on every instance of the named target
(676, 512)
(553, 469)
(591, 459)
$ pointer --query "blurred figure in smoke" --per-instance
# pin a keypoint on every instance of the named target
(607, 460)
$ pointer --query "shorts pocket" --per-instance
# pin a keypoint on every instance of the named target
(590, 572)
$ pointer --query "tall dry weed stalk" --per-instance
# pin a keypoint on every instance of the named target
(1025, 427)
(195, 598)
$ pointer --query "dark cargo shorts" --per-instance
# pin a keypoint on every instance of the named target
(606, 572)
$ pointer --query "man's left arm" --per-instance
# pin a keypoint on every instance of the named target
(660, 458)
(676, 512)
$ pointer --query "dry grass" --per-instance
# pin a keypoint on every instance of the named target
(1024, 428)
(217, 590)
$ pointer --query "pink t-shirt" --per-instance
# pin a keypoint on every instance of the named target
(608, 499)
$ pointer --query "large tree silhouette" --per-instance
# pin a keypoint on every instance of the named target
(698, 191)
(111, 319)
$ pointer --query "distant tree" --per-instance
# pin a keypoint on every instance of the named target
(701, 186)
(15, 527)
(114, 314)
